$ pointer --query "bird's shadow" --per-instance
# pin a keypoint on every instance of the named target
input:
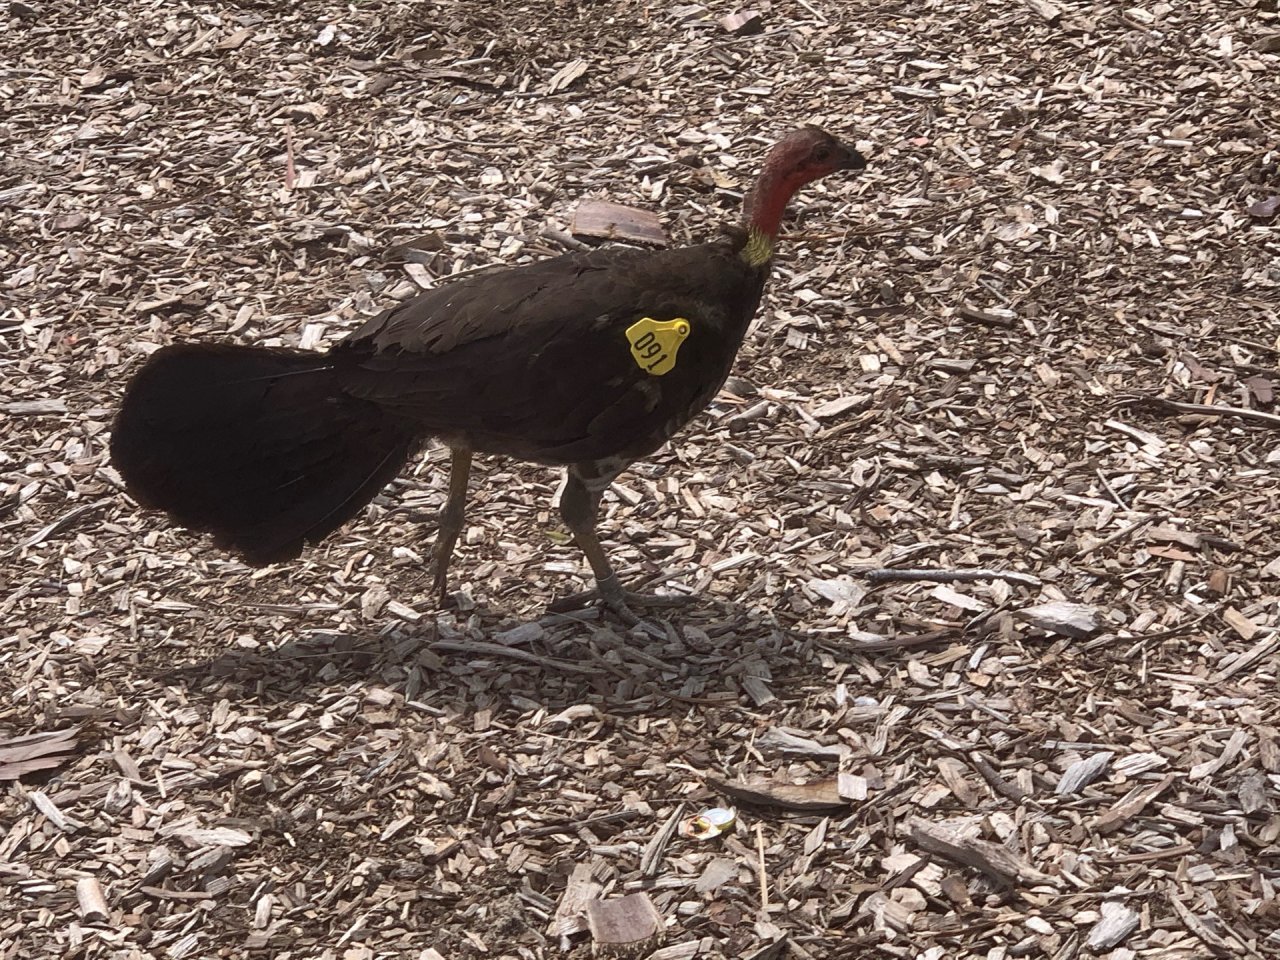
(708, 653)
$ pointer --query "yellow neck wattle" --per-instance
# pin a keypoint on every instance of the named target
(758, 249)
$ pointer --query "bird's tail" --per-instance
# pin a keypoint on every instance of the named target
(255, 445)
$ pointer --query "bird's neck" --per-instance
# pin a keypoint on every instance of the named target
(764, 208)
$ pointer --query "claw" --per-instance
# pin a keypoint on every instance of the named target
(619, 600)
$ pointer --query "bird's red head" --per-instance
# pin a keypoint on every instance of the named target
(800, 157)
(810, 152)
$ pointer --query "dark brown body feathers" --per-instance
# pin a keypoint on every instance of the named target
(533, 362)
(271, 449)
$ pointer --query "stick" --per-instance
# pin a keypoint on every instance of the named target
(888, 574)
(764, 880)
(1119, 534)
(1161, 405)
(997, 783)
(895, 228)
(1111, 490)
(905, 642)
(290, 172)
(482, 648)
(58, 526)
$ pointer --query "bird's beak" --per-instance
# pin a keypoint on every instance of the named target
(853, 160)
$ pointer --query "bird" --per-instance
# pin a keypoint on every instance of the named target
(588, 361)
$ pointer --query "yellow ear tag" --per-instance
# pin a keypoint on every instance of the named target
(654, 343)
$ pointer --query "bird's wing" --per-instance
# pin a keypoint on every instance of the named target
(535, 360)
(493, 302)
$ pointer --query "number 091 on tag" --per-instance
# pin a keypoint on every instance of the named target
(655, 343)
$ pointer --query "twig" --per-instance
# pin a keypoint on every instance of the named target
(651, 857)
(888, 574)
(1253, 345)
(1107, 484)
(763, 877)
(1171, 407)
(1119, 534)
(997, 862)
(1217, 944)
(999, 784)
(290, 171)
(67, 520)
(896, 228)
(889, 644)
(498, 650)
(1176, 631)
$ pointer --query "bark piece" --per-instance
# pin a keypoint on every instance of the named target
(991, 859)
(93, 905)
(784, 741)
(584, 886)
(1082, 773)
(37, 751)
(36, 408)
(613, 221)
(743, 23)
(818, 795)
(1131, 805)
(1268, 208)
(625, 924)
(1117, 922)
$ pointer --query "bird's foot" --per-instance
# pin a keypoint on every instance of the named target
(619, 600)
(440, 585)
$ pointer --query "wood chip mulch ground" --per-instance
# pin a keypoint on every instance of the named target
(1033, 352)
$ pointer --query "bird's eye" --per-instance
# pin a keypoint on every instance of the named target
(820, 154)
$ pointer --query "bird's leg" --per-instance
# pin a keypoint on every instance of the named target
(578, 506)
(451, 518)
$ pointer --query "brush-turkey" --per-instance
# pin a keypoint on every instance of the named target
(588, 361)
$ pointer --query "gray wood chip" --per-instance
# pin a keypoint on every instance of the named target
(779, 740)
(1118, 921)
(1075, 620)
(1082, 773)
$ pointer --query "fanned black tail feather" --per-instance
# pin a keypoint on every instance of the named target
(258, 446)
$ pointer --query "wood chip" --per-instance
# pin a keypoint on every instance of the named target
(36, 408)
(833, 408)
(786, 741)
(20, 756)
(1045, 10)
(584, 887)
(1133, 803)
(1082, 773)
(1241, 624)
